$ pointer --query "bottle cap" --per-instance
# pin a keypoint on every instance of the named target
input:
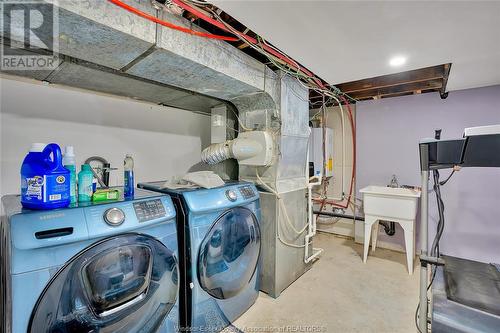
(86, 167)
(69, 151)
(128, 155)
(37, 147)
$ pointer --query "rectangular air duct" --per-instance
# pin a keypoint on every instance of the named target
(104, 37)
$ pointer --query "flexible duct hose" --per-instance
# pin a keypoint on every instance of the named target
(217, 153)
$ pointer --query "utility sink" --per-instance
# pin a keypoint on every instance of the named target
(389, 202)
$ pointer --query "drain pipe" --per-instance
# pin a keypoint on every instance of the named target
(311, 221)
(345, 216)
(389, 227)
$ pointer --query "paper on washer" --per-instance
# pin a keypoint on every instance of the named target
(204, 179)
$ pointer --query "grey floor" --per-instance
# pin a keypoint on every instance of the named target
(341, 294)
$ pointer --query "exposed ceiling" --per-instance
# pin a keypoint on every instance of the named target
(343, 41)
(417, 81)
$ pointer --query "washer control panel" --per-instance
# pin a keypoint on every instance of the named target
(149, 210)
(247, 192)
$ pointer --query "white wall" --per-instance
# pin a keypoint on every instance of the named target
(164, 141)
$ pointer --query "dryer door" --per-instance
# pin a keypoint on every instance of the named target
(229, 253)
(126, 283)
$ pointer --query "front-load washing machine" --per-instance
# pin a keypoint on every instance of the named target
(107, 267)
(220, 236)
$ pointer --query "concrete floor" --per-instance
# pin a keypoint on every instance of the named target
(341, 294)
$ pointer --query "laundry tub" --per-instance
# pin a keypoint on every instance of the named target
(390, 204)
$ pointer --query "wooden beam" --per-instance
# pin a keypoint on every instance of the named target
(411, 87)
(413, 76)
(447, 68)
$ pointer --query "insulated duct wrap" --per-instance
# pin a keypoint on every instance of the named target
(217, 153)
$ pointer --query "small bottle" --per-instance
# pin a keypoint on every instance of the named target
(85, 177)
(128, 176)
(70, 164)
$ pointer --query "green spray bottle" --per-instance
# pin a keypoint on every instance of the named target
(70, 164)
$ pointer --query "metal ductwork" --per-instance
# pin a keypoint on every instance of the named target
(285, 186)
(104, 48)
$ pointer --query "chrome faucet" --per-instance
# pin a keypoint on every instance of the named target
(394, 182)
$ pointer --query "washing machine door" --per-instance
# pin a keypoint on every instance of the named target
(229, 254)
(126, 283)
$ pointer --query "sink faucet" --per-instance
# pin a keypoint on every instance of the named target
(394, 182)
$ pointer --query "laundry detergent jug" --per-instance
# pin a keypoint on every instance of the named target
(45, 182)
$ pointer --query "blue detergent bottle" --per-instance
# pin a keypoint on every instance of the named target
(45, 182)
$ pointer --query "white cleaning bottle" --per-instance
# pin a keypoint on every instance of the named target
(70, 164)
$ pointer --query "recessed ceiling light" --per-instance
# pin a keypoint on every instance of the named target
(397, 61)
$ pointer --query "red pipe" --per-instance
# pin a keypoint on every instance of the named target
(170, 25)
(201, 15)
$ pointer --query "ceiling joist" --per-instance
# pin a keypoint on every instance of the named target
(418, 81)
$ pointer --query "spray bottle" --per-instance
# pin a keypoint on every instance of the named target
(70, 164)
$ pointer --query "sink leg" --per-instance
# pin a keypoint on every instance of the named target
(374, 235)
(409, 245)
(366, 245)
(369, 221)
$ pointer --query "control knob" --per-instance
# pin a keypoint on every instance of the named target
(114, 216)
(231, 195)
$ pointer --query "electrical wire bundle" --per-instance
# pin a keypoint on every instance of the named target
(275, 56)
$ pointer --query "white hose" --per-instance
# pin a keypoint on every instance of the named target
(285, 213)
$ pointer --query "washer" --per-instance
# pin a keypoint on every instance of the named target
(220, 256)
(106, 267)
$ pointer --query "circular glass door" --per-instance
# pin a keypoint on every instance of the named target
(123, 284)
(229, 253)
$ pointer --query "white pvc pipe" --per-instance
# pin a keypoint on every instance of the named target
(311, 222)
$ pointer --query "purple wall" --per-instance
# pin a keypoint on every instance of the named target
(388, 132)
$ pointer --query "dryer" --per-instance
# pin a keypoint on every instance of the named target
(219, 229)
(107, 267)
